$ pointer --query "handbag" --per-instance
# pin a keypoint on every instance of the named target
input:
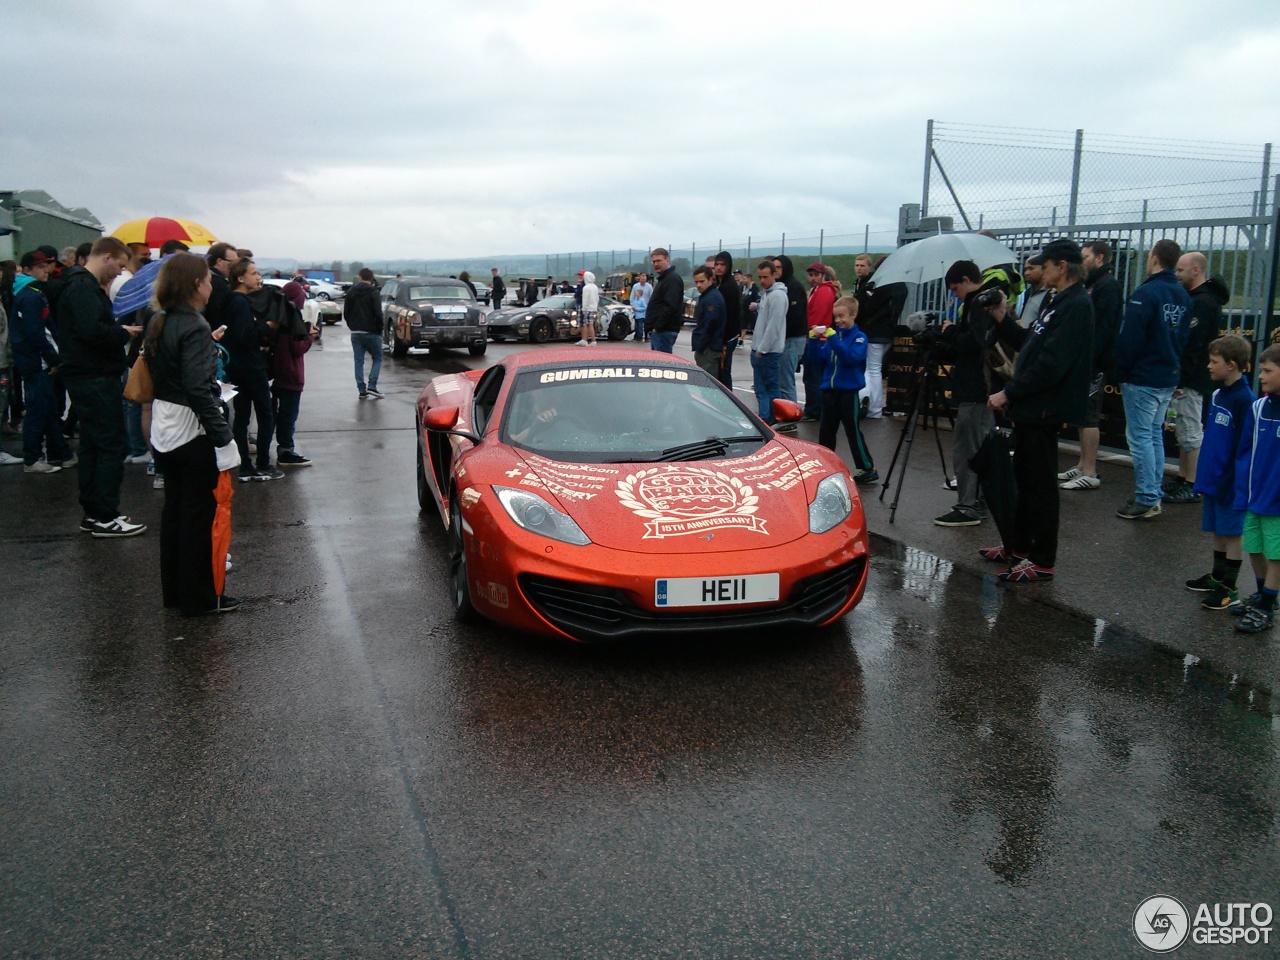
(139, 387)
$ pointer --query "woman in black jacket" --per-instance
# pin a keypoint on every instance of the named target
(245, 341)
(189, 434)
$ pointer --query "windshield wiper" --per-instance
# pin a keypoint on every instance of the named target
(702, 449)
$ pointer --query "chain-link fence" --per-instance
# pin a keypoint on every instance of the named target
(987, 177)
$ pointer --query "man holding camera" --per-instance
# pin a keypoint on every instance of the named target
(965, 343)
(1050, 387)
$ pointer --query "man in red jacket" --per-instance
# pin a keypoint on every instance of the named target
(822, 297)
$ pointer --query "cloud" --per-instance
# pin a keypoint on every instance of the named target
(394, 129)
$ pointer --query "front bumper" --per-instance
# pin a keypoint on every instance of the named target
(595, 593)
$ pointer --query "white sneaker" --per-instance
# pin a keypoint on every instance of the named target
(157, 482)
(582, 343)
(1081, 482)
(140, 458)
(40, 466)
(1071, 474)
(119, 527)
(9, 460)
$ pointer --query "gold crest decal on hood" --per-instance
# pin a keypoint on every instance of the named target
(678, 501)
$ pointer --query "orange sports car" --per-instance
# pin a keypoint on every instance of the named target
(610, 492)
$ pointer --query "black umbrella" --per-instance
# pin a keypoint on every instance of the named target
(993, 466)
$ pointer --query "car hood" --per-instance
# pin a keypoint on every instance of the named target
(509, 314)
(755, 502)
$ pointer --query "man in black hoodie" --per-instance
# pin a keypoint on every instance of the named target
(221, 257)
(1208, 296)
(1108, 307)
(728, 287)
(797, 327)
(91, 346)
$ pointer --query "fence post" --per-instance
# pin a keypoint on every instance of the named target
(1266, 177)
(1075, 179)
(821, 238)
(1268, 308)
(748, 253)
(784, 244)
(693, 254)
(928, 164)
(866, 238)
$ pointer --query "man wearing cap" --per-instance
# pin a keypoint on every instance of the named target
(1153, 333)
(1050, 387)
(1037, 292)
(91, 345)
(1108, 305)
(35, 355)
(822, 297)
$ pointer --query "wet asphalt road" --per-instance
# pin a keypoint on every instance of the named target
(338, 770)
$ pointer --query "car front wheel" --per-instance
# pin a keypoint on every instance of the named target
(618, 327)
(459, 583)
(322, 296)
(540, 330)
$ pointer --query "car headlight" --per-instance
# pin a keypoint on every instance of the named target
(831, 504)
(534, 514)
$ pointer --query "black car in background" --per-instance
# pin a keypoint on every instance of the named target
(556, 318)
(431, 312)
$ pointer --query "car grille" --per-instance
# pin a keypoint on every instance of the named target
(603, 613)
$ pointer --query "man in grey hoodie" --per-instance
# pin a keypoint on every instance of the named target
(769, 338)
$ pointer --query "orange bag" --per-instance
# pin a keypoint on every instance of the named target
(221, 530)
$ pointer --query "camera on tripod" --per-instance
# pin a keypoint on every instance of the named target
(925, 328)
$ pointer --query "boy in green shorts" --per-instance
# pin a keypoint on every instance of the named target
(1215, 479)
(1258, 492)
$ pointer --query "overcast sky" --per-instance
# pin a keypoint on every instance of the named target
(388, 129)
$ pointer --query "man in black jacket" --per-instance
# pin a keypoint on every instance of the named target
(1108, 307)
(965, 344)
(363, 312)
(666, 307)
(1208, 296)
(221, 257)
(1050, 386)
(91, 346)
(497, 290)
(727, 284)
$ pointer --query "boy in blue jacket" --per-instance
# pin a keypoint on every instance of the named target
(1258, 493)
(841, 354)
(1216, 474)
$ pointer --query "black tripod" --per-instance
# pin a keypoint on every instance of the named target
(926, 385)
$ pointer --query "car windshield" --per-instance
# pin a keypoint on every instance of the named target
(627, 413)
(554, 303)
(439, 291)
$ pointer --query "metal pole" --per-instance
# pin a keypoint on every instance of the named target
(866, 238)
(928, 164)
(784, 243)
(1053, 221)
(693, 254)
(1075, 179)
(1266, 176)
(821, 238)
(748, 253)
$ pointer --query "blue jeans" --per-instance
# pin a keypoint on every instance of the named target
(663, 341)
(133, 428)
(370, 343)
(285, 404)
(792, 351)
(41, 427)
(639, 333)
(766, 367)
(1144, 413)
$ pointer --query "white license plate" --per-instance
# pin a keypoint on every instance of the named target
(716, 591)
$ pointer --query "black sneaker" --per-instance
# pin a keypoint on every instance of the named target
(866, 476)
(957, 518)
(1205, 584)
(1138, 511)
(247, 475)
(288, 458)
(225, 604)
(375, 393)
(364, 395)
(1219, 599)
(87, 525)
(1183, 493)
(269, 473)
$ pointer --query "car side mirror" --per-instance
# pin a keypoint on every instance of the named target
(786, 411)
(444, 419)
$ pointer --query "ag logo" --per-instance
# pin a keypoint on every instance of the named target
(679, 501)
(1161, 924)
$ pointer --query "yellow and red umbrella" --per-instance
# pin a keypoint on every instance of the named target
(154, 231)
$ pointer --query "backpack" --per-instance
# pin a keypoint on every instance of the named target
(270, 304)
